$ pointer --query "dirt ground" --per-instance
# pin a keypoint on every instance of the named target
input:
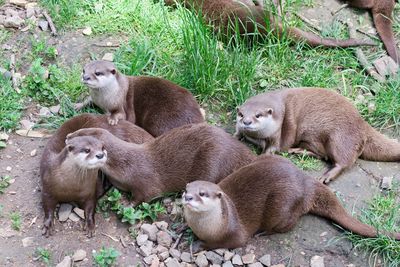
(312, 236)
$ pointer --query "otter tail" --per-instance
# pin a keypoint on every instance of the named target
(328, 206)
(378, 147)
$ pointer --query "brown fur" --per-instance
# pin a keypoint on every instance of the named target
(61, 184)
(270, 194)
(322, 122)
(167, 164)
(155, 104)
(382, 11)
(252, 19)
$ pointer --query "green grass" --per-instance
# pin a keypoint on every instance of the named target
(304, 162)
(4, 183)
(43, 255)
(11, 105)
(382, 213)
(106, 257)
(15, 221)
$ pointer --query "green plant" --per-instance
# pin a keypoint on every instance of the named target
(106, 257)
(1, 210)
(4, 183)
(304, 161)
(11, 105)
(43, 254)
(15, 221)
(40, 48)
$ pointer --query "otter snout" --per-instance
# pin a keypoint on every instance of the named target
(247, 122)
(85, 77)
(100, 155)
(188, 197)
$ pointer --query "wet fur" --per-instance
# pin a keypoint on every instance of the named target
(270, 194)
(167, 164)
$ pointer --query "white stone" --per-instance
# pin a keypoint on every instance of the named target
(108, 57)
(79, 255)
(201, 260)
(73, 217)
(248, 258)
(33, 153)
(150, 230)
(64, 211)
(171, 262)
(141, 239)
(164, 239)
(87, 31)
(66, 262)
(266, 260)
(387, 182)
(27, 241)
(79, 212)
(317, 261)
(214, 257)
(237, 260)
(185, 257)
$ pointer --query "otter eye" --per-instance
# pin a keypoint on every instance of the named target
(258, 115)
(202, 194)
(98, 73)
(86, 150)
(240, 114)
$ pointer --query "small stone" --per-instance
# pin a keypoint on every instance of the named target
(215, 265)
(108, 57)
(73, 217)
(64, 211)
(266, 260)
(79, 212)
(201, 260)
(317, 261)
(26, 124)
(185, 257)
(87, 31)
(17, 78)
(13, 22)
(79, 255)
(55, 109)
(248, 258)
(141, 239)
(161, 249)
(228, 255)
(155, 263)
(66, 262)
(227, 264)
(214, 257)
(164, 239)
(145, 250)
(185, 264)
(237, 260)
(163, 255)
(360, 99)
(323, 234)
(256, 264)
(27, 241)
(386, 183)
(278, 265)
(7, 232)
(30, 9)
(11, 181)
(44, 112)
(8, 168)
(371, 107)
(150, 230)
(220, 251)
(33, 153)
(175, 253)
(162, 225)
(20, 3)
(149, 259)
(386, 66)
(167, 201)
(176, 210)
(4, 136)
(43, 25)
(171, 262)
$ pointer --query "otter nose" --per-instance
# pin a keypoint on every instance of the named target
(247, 123)
(86, 77)
(188, 197)
(100, 155)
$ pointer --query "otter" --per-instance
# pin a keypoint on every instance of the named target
(155, 104)
(69, 173)
(269, 194)
(168, 163)
(382, 11)
(316, 119)
(253, 19)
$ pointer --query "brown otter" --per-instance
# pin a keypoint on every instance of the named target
(315, 119)
(270, 194)
(167, 164)
(252, 18)
(155, 104)
(382, 15)
(66, 171)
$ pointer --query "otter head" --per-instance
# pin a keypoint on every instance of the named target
(202, 197)
(86, 152)
(99, 74)
(256, 118)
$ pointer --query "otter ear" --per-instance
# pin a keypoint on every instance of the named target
(70, 148)
(270, 111)
(219, 194)
(113, 71)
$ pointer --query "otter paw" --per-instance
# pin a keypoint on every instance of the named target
(113, 121)
(47, 231)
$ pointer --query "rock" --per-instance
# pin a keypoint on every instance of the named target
(79, 212)
(155, 262)
(33, 153)
(317, 261)
(26, 124)
(164, 239)
(323, 234)
(141, 239)
(237, 260)
(4, 136)
(266, 260)
(30, 9)
(87, 31)
(66, 262)
(161, 249)
(256, 264)
(79, 255)
(8, 168)
(386, 183)
(108, 57)
(20, 3)
(215, 265)
(64, 211)
(146, 250)
(7, 232)
(2, 20)
(228, 255)
(43, 25)
(176, 209)
(27, 241)
(55, 109)
(149, 259)
(386, 66)
(201, 260)
(278, 265)
(185, 257)
(171, 262)
(162, 225)
(214, 257)
(227, 264)
(175, 253)
(220, 251)
(248, 258)
(44, 112)
(185, 264)
(73, 217)
(150, 230)
(17, 78)
(163, 255)
(371, 107)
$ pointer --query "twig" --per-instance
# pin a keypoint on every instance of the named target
(33, 221)
(308, 22)
(12, 70)
(51, 24)
(107, 45)
(339, 9)
(372, 36)
(113, 238)
(122, 241)
(177, 241)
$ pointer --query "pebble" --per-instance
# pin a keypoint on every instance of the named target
(220, 251)
(55, 109)
(43, 25)
(149, 259)
(386, 66)
(278, 265)
(164, 239)
(171, 262)
(79, 212)
(227, 264)
(141, 239)
(387, 182)
(64, 212)
(266, 260)
(201, 260)
(8, 168)
(214, 257)
(323, 234)
(30, 10)
(87, 31)
(66, 262)
(26, 124)
(44, 112)
(33, 153)
(163, 255)
(155, 262)
(73, 217)
(162, 225)
(4, 136)
(175, 253)
(145, 250)
(228, 255)
(237, 260)
(185, 257)
(161, 249)
(79, 255)
(27, 241)
(108, 57)
(20, 3)
(150, 230)
(257, 264)
(317, 261)
(248, 258)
